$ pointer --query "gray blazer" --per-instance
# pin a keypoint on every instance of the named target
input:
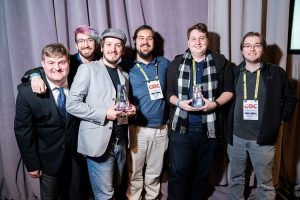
(91, 94)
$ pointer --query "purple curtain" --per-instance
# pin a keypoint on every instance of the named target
(28, 25)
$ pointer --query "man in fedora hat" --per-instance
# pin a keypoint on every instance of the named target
(92, 98)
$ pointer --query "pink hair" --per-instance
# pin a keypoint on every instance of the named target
(85, 29)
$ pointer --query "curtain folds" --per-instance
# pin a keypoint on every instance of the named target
(28, 25)
(271, 19)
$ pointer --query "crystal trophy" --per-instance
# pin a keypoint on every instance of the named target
(197, 96)
(122, 104)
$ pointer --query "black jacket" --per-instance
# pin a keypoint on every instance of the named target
(225, 84)
(279, 106)
(36, 115)
(41, 134)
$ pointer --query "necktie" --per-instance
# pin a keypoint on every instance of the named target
(61, 103)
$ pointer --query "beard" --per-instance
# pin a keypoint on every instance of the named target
(88, 54)
(145, 55)
(110, 60)
(113, 62)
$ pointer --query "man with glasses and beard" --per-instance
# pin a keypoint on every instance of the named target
(86, 43)
(148, 130)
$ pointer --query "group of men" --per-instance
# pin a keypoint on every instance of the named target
(69, 118)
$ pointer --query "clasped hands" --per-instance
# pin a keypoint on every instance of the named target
(112, 112)
(208, 106)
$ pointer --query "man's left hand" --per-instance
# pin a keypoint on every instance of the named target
(208, 106)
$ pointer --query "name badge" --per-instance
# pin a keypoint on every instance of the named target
(250, 110)
(154, 89)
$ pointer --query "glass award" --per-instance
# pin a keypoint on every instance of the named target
(197, 96)
(122, 104)
(122, 98)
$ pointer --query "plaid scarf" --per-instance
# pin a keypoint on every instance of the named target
(209, 83)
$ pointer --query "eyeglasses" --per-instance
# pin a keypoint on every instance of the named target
(82, 41)
(254, 46)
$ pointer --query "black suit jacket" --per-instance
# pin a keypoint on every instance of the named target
(41, 134)
(26, 95)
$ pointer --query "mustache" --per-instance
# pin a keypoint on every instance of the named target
(89, 48)
(112, 52)
(146, 44)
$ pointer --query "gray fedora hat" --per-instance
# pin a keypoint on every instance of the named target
(115, 33)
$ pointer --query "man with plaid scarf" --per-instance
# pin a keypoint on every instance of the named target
(195, 130)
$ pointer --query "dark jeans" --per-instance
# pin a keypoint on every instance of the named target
(191, 158)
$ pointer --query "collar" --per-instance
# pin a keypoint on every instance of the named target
(53, 86)
(243, 67)
(201, 62)
(152, 63)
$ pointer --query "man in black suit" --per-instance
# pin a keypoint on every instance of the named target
(87, 44)
(45, 133)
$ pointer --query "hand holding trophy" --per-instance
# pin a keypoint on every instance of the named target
(122, 104)
(197, 96)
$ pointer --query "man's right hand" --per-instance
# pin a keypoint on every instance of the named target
(35, 174)
(38, 85)
(185, 105)
(112, 113)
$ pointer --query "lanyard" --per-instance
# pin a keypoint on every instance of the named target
(194, 73)
(144, 73)
(256, 84)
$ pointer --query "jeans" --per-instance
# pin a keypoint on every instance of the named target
(262, 158)
(191, 158)
(105, 172)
